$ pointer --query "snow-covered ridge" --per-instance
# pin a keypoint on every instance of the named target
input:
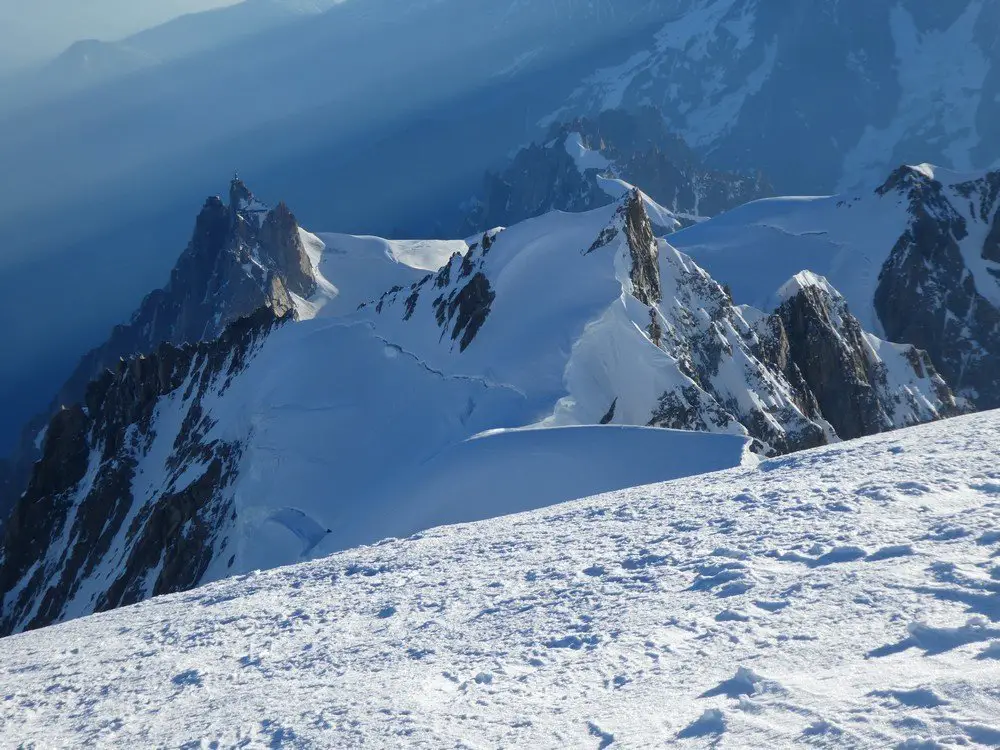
(277, 443)
(805, 280)
(844, 596)
(923, 241)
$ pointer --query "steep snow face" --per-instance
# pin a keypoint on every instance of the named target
(364, 267)
(916, 260)
(295, 435)
(845, 596)
(869, 83)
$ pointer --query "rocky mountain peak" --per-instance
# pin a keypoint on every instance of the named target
(241, 257)
(938, 289)
(642, 246)
(575, 169)
(858, 381)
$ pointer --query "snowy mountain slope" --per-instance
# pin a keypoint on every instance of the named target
(842, 597)
(569, 170)
(250, 452)
(633, 330)
(354, 138)
(858, 85)
(286, 437)
(366, 266)
(500, 472)
(915, 259)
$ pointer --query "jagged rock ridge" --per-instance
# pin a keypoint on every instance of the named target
(93, 531)
(242, 256)
(773, 376)
(929, 293)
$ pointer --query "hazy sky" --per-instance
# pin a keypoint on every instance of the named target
(33, 30)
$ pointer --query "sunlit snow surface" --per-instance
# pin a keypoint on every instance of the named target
(843, 597)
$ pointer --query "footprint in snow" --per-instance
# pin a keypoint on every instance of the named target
(918, 698)
(744, 682)
(187, 678)
(574, 642)
(712, 721)
(730, 615)
(606, 738)
(888, 553)
(990, 652)
(939, 640)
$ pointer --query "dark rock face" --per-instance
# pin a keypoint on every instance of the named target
(794, 379)
(928, 296)
(642, 247)
(470, 308)
(241, 257)
(638, 148)
(463, 294)
(830, 358)
(91, 533)
(851, 386)
(720, 352)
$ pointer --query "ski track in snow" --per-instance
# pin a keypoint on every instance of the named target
(842, 597)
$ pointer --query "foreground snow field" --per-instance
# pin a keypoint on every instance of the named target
(843, 597)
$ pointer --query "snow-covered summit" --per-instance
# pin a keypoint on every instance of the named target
(844, 596)
(806, 280)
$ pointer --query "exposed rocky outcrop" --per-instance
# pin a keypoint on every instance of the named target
(930, 292)
(634, 146)
(862, 385)
(725, 382)
(94, 530)
(242, 256)
(797, 378)
(461, 293)
(645, 273)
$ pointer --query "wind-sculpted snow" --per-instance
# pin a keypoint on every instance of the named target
(841, 597)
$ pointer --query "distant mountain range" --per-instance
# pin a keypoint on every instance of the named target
(822, 96)
(91, 62)
(590, 162)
